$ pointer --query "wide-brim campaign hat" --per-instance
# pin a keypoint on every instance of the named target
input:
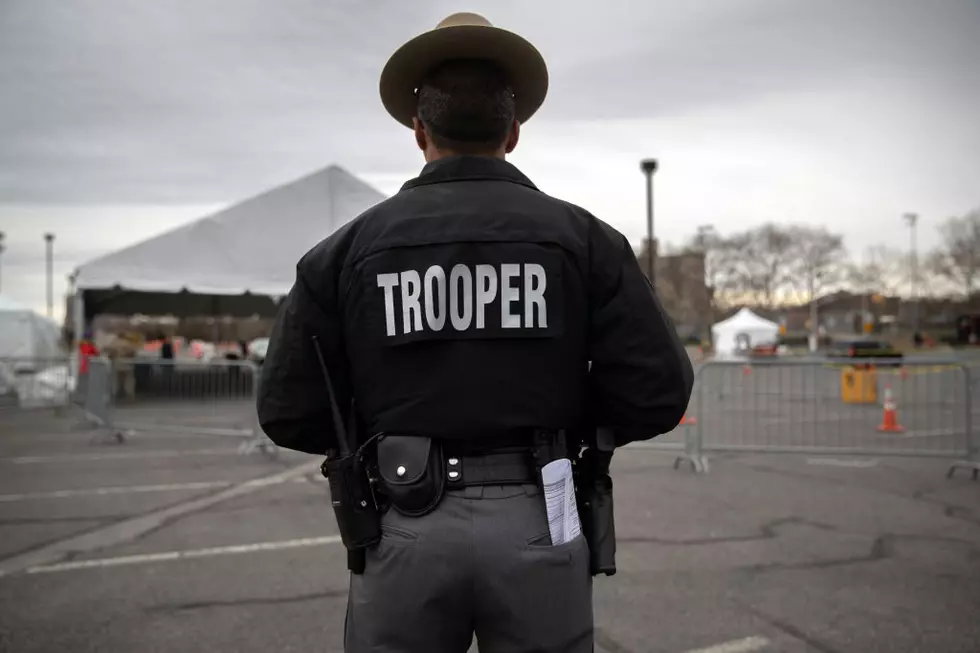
(464, 36)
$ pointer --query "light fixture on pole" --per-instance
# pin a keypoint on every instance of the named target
(649, 166)
(49, 260)
(911, 219)
(1, 259)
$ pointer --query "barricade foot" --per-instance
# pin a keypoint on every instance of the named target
(261, 444)
(699, 464)
(974, 468)
(270, 449)
(108, 436)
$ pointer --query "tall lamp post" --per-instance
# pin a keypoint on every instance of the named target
(911, 219)
(649, 166)
(1, 259)
(49, 260)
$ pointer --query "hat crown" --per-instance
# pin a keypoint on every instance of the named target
(464, 18)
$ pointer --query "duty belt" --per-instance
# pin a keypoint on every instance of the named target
(505, 468)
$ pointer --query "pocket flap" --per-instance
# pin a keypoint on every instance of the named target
(402, 459)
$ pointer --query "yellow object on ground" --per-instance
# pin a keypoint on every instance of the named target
(859, 385)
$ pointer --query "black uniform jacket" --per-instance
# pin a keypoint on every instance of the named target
(467, 306)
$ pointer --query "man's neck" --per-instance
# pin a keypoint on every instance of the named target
(436, 155)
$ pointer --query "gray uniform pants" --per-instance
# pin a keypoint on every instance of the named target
(482, 563)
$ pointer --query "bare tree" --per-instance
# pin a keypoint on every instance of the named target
(881, 270)
(759, 263)
(713, 247)
(957, 259)
(818, 259)
(818, 263)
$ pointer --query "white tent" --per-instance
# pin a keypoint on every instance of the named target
(25, 335)
(741, 332)
(32, 364)
(250, 247)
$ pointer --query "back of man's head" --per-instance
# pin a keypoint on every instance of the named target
(467, 107)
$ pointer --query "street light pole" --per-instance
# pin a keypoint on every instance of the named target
(1, 260)
(49, 259)
(649, 166)
(911, 219)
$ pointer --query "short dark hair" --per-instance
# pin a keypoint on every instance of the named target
(466, 105)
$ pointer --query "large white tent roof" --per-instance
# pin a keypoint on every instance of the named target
(252, 246)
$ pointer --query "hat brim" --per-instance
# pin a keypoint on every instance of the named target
(521, 61)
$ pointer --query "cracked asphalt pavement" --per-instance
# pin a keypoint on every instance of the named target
(207, 549)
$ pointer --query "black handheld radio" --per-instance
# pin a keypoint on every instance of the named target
(351, 494)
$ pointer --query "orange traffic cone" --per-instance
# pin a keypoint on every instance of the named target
(889, 420)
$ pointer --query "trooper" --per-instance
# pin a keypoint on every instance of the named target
(449, 350)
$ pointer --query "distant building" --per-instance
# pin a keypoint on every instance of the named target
(840, 314)
(681, 287)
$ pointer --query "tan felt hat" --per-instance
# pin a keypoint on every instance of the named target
(464, 36)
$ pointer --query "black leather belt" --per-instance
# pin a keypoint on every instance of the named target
(510, 468)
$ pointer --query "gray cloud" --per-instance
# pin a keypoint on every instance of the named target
(186, 101)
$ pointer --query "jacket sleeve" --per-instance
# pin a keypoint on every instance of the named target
(641, 377)
(293, 403)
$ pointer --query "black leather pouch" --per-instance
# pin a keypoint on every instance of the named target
(413, 473)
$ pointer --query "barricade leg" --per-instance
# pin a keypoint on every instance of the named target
(972, 461)
(693, 454)
(99, 400)
(973, 465)
(258, 441)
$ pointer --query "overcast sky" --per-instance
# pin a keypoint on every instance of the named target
(120, 119)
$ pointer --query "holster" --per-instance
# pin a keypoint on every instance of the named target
(412, 471)
(594, 495)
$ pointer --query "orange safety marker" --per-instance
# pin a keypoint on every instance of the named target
(889, 420)
(688, 421)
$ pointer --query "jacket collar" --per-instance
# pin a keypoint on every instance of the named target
(468, 168)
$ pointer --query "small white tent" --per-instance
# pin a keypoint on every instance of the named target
(32, 365)
(26, 335)
(741, 332)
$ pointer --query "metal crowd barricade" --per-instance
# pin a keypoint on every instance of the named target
(213, 397)
(918, 408)
(30, 385)
(95, 395)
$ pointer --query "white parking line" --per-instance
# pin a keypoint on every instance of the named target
(121, 489)
(930, 433)
(185, 555)
(80, 457)
(736, 646)
(133, 527)
(842, 462)
(127, 489)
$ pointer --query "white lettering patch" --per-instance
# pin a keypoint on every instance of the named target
(497, 299)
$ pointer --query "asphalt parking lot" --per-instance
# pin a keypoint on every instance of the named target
(178, 542)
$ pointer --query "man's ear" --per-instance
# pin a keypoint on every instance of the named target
(513, 137)
(420, 138)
